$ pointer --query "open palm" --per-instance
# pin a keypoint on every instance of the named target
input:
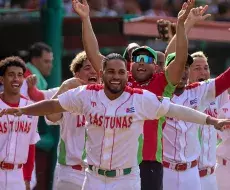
(82, 9)
(198, 14)
(186, 8)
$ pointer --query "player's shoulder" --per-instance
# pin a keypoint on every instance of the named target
(133, 91)
(26, 99)
(94, 87)
(193, 86)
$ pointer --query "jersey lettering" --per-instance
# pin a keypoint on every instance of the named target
(17, 126)
(80, 121)
(111, 122)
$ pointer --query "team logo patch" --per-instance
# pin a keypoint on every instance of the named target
(193, 101)
(30, 116)
(130, 110)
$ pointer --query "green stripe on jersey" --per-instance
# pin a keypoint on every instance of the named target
(62, 153)
(84, 151)
(140, 148)
(168, 92)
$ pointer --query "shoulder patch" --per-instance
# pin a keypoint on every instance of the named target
(95, 87)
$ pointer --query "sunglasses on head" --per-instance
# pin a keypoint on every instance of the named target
(145, 58)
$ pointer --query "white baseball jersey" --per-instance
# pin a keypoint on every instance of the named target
(72, 135)
(223, 148)
(24, 89)
(16, 134)
(180, 138)
(114, 126)
(208, 134)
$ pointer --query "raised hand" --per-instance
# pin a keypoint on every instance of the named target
(31, 81)
(198, 14)
(184, 12)
(73, 83)
(11, 111)
(82, 9)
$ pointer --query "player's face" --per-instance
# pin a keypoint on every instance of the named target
(184, 79)
(44, 63)
(115, 76)
(199, 70)
(87, 73)
(160, 62)
(13, 79)
(141, 71)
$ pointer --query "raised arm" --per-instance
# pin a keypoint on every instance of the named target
(89, 39)
(176, 67)
(195, 15)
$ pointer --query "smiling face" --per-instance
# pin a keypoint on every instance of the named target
(141, 71)
(115, 76)
(12, 80)
(199, 70)
(87, 73)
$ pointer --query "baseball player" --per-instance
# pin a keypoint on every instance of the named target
(115, 114)
(223, 155)
(70, 170)
(143, 75)
(18, 135)
(199, 71)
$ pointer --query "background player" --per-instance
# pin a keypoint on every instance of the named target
(18, 135)
(223, 153)
(115, 114)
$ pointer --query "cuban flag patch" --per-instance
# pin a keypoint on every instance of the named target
(130, 110)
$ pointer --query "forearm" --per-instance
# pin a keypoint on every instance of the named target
(29, 165)
(45, 107)
(221, 82)
(90, 44)
(186, 114)
(176, 67)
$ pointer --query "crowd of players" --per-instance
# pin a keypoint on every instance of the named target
(152, 128)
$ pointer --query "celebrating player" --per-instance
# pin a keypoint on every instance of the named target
(199, 71)
(18, 135)
(144, 76)
(115, 114)
(70, 171)
(223, 154)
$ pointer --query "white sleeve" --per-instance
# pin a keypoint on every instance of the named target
(24, 89)
(207, 91)
(223, 99)
(223, 114)
(50, 93)
(34, 135)
(74, 100)
(150, 106)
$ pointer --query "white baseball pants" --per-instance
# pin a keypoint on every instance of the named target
(12, 180)
(94, 181)
(223, 177)
(181, 180)
(208, 182)
(68, 178)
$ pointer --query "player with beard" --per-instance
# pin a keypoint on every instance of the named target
(70, 170)
(115, 115)
(199, 71)
(144, 76)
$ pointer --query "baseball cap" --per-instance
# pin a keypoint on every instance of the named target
(172, 56)
(145, 48)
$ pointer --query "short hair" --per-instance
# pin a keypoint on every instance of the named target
(37, 49)
(113, 56)
(11, 61)
(77, 62)
(199, 54)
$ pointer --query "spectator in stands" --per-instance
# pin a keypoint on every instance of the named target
(224, 11)
(132, 7)
(99, 8)
(159, 8)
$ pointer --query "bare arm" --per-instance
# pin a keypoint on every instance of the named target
(176, 67)
(196, 15)
(66, 85)
(89, 39)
